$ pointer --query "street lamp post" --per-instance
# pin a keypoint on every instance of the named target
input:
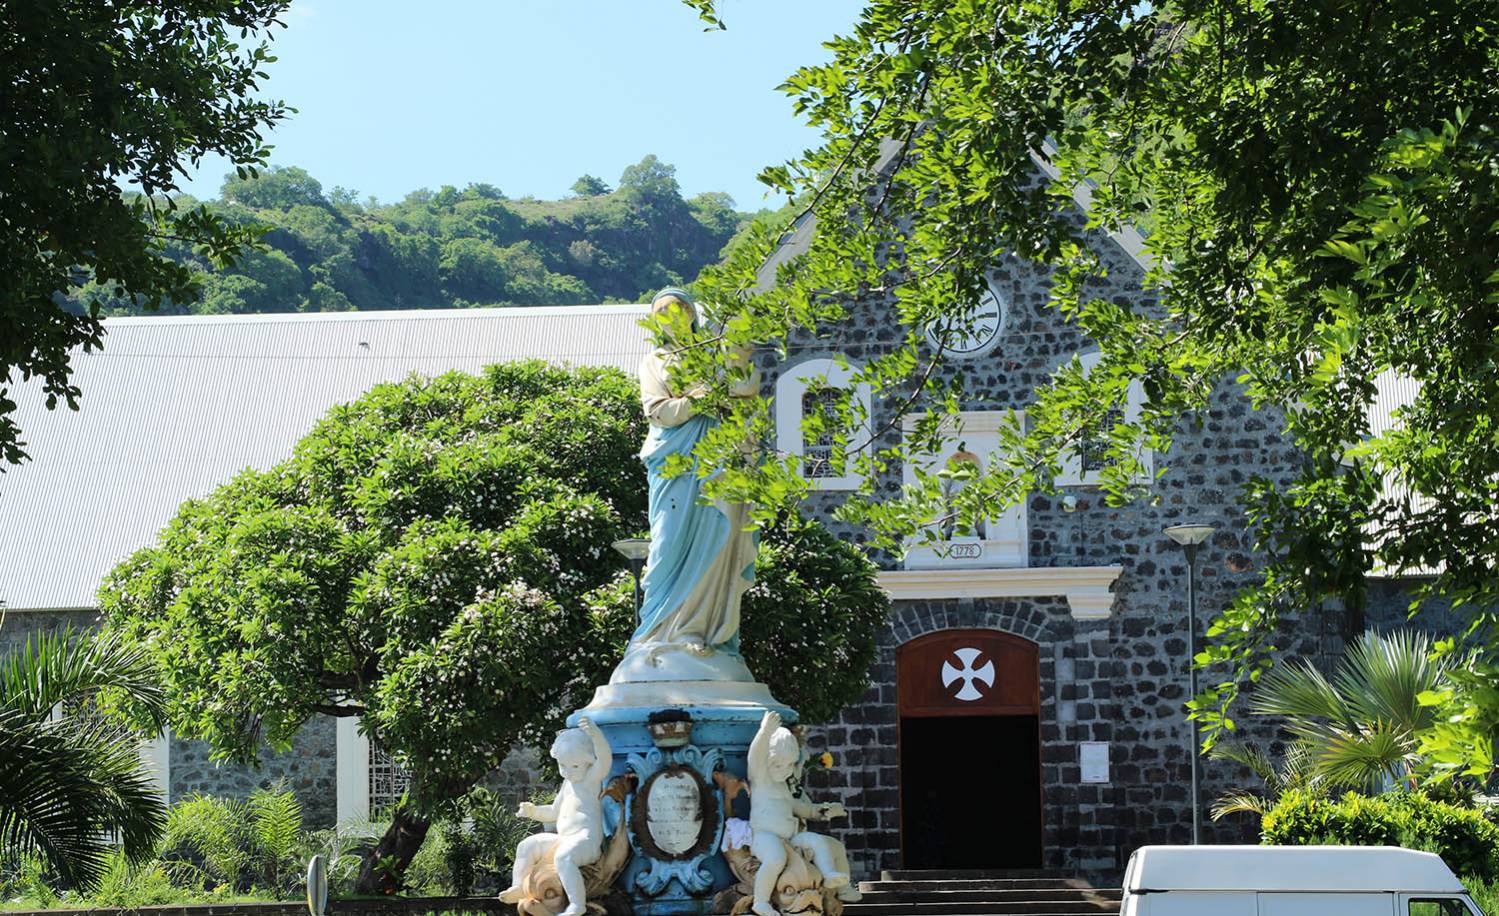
(1191, 537)
(634, 550)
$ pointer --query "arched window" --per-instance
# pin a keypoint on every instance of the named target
(969, 438)
(1083, 465)
(816, 388)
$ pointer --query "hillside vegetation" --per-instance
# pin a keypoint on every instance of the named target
(451, 247)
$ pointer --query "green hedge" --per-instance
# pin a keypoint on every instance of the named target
(1463, 837)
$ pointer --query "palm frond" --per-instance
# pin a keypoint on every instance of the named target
(1366, 758)
(1254, 759)
(1382, 675)
(53, 668)
(275, 821)
(67, 785)
(64, 788)
(1298, 691)
(1240, 802)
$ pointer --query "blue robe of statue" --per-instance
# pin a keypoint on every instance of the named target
(701, 559)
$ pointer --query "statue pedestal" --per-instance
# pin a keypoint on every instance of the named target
(684, 741)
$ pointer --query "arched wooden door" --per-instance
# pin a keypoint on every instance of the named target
(970, 750)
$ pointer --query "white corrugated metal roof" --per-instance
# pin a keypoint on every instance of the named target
(174, 406)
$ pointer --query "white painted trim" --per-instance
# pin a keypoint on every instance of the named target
(790, 388)
(1006, 540)
(352, 772)
(1086, 588)
(156, 759)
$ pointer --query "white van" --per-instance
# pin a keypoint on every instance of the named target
(1291, 881)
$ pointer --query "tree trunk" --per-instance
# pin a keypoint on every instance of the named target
(396, 849)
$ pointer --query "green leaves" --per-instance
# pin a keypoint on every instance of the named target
(458, 521)
(100, 95)
(1315, 194)
(66, 783)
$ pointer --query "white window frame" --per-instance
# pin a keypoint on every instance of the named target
(792, 386)
(1072, 473)
(1006, 541)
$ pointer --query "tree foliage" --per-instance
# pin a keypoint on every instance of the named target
(1361, 728)
(451, 247)
(68, 781)
(97, 95)
(1465, 839)
(589, 186)
(435, 558)
(1315, 187)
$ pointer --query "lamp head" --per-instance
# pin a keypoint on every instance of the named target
(635, 550)
(1189, 535)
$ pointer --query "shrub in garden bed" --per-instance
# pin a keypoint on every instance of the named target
(1465, 839)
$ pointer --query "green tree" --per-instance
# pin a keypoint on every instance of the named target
(97, 95)
(715, 209)
(67, 782)
(651, 181)
(589, 186)
(473, 269)
(434, 559)
(445, 248)
(278, 188)
(1316, 188)
(1362, 727)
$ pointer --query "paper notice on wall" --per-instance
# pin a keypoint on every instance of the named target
(1093, 760)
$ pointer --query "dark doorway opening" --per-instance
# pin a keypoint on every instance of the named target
(970, 792)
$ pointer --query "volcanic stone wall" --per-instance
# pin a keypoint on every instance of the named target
(309, 768)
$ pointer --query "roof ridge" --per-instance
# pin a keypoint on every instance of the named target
(518, 311)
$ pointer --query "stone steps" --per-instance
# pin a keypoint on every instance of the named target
(1004, 892)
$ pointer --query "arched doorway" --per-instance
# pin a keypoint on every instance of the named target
(970, 750)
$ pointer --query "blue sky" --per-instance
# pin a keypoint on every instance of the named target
(395, 95)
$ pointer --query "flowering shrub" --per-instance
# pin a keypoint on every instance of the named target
(421, 560)
(435, 558)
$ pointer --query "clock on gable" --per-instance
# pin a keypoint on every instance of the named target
(979, 336)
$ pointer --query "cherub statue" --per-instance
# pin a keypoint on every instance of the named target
(584, 758)
(775, 818)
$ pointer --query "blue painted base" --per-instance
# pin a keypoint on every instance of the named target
(663, 885)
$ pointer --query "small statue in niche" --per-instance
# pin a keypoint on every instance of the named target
(776, 828)
(572, 856)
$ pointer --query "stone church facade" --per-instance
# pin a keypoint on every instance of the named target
(1026, 707)
(1086, 604)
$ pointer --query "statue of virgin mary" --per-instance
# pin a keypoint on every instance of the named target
(702, 558)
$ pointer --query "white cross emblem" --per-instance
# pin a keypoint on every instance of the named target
(968, 674)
